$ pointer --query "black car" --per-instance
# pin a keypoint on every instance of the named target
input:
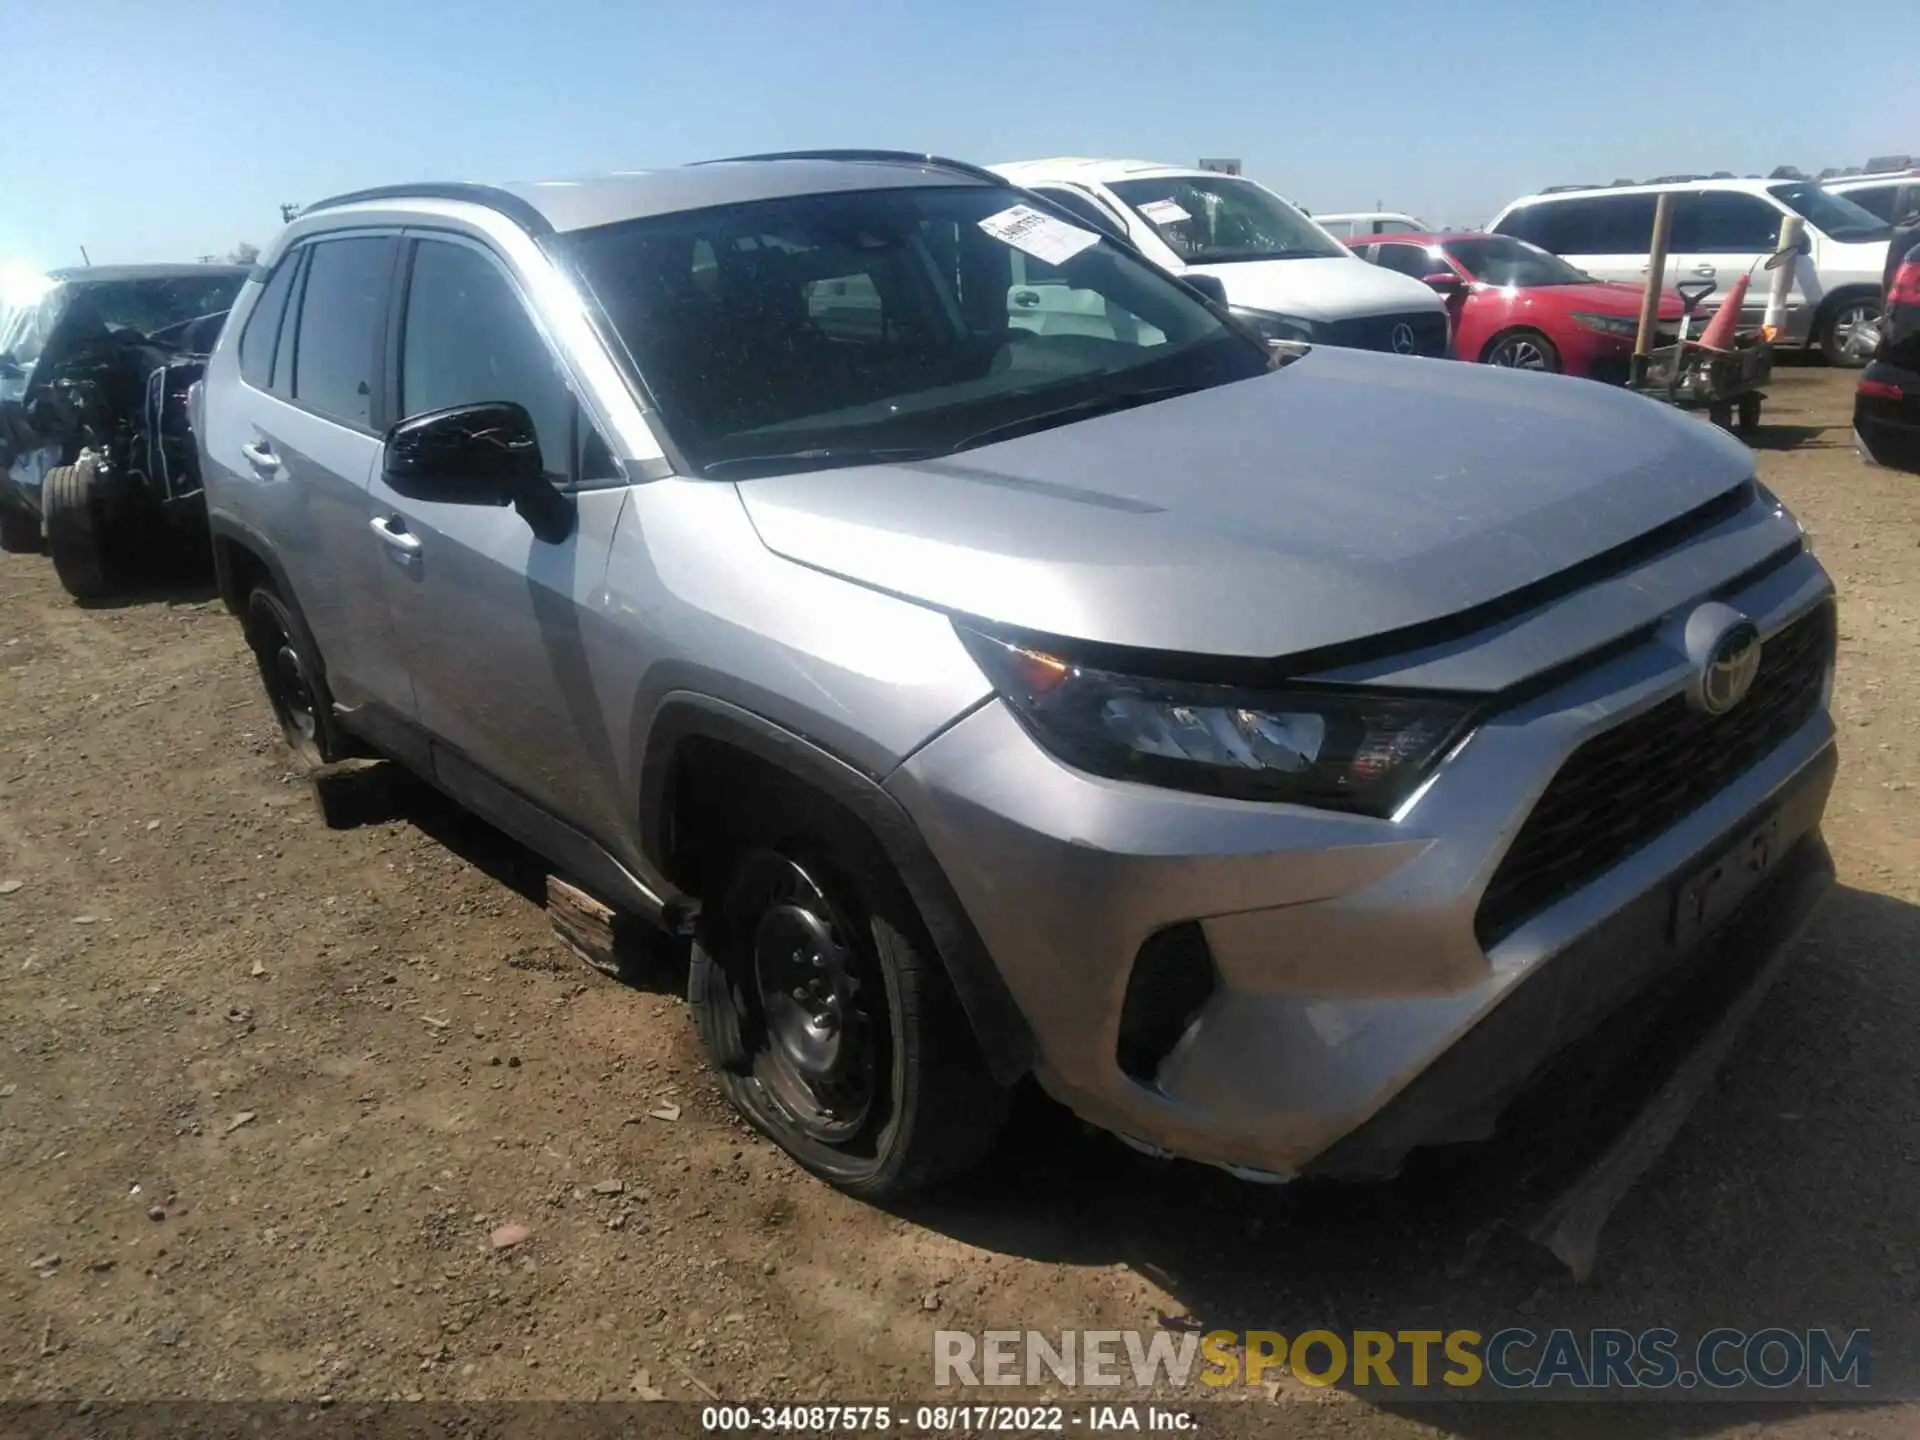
(1886, 403)
(94, 441)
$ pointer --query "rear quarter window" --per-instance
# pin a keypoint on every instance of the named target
(262, 334)
(342, 312)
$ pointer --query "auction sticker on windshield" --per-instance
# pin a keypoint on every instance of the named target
(1041, 236)
(1164, 212)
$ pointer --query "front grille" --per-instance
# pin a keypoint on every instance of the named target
(1625, 787)
(1427, 329)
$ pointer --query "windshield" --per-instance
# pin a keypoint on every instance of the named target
(1217, 219)
(829, 329)
(1502, 260)
(1832, 215)
(151, 305)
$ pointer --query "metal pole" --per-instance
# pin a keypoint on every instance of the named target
(1787, 261)
(85, 259)
(1656, 274)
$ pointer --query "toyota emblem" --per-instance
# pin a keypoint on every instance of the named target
(1403, 339)
(1724, 646)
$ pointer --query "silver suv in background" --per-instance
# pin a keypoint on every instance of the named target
(1281, 754)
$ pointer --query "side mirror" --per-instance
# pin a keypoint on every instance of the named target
(486, 454)
(1212, 287)
(1444, 283)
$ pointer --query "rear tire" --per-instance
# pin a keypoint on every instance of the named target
(19, 532)
(831, 1022)
(71, 500)
(296, 684)
(1747, 418)
(1524, 350)
(1838, 327)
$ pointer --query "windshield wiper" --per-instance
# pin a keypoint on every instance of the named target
(823, 457)
(827, 457)
(1105, 403)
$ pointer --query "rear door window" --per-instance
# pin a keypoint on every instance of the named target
(341, 318)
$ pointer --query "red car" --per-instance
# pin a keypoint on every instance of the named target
(1514, 304)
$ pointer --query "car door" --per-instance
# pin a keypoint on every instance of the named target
(301, 437)
(1720, 235)
(496, 622)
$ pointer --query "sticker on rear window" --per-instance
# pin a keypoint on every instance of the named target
(1039, 235)
(1164, 212)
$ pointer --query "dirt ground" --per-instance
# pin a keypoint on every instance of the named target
(266, 1088)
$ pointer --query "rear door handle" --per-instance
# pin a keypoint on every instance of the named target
(260, 456)
(1705, 272)
(404, 545)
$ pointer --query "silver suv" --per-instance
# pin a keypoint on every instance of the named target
(1281, 754)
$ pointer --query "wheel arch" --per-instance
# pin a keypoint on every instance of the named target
(1832, 301)
(700, 751)
(242, 558)
(1507, 332)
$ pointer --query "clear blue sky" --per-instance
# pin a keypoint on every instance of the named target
(170, 128)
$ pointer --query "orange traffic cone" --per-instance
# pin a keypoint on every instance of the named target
(1719, 332)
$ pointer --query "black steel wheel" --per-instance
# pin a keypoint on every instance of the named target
(77, 538)
(295, 684)
(832, 1024)
(1524, 350)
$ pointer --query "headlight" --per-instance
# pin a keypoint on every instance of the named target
(1332, 749)
(1274, 326)
(1609, 324)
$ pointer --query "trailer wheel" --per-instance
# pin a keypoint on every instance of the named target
(1721, 414)
(1747, 418)
(19, 532)
(76, 530)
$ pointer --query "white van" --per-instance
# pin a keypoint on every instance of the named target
(1723, 229)
(1282, 273)
(1351, 224)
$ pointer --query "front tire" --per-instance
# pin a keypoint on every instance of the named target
(1524, 350)
(19, 532)
(295, 683)
(832, 1024)
(77, 538)
(1841, 331)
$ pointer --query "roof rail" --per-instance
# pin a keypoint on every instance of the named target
(900, 157)
(1562, 189)
(522, 212)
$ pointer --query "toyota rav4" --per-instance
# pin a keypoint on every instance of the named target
(1281, 753)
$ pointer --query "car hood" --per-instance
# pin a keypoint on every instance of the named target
(1345, 495)
(1338, 287)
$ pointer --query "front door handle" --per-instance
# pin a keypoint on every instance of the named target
(260, 456)
(1705, 272)
(403, 544)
